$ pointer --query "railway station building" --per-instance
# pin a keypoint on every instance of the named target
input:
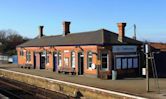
(92, 53)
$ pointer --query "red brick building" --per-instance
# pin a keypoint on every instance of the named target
(94, 53)
(159, 50)
(158, 46)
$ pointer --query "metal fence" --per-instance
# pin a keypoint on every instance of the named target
(4, 59)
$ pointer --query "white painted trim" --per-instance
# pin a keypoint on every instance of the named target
(78, 85)
(129, 55)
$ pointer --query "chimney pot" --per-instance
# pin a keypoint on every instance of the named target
(66, 27)
(41, 31)
(121, 33)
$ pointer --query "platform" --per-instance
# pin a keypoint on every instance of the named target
(133, 86)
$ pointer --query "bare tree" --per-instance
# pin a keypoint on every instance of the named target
(10, 39)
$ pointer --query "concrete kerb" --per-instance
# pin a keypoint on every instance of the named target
(69, 89)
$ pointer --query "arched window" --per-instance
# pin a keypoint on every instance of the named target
(90, 57)
(73, 59)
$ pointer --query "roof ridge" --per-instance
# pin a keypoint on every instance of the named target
(82, 32)
(102, 29)
(100, 36)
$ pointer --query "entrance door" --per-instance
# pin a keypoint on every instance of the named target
(42, 61)
(55, 62)
(34, 60)
(80, 63)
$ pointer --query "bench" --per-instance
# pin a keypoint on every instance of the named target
(29, 66)
(66, 70)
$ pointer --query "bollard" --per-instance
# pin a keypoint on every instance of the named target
(114, 75)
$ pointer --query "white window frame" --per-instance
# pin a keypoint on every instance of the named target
(59, 59)
(73, 59)
(88, 56)
(28, 56)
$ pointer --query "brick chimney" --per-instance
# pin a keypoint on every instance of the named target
(41, 31)
(121, 33)
(66, 28)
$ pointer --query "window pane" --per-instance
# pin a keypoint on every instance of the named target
(66, 61)
(118, 63)
(47, 58)
(59, 59)
(104, 61)
(104, 55)
(135, 62)
(29, 56)
(130, 63)
(26, 56)
(124, 63)
(73, 59)
(89, 59)
(21, 53)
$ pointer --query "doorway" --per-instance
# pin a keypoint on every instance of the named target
(55, 61)
(42, 61)
(34, 60)
(80, 63)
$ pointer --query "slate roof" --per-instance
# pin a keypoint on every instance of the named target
(98, 37)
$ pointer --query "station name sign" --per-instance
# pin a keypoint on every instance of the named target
(124, 48)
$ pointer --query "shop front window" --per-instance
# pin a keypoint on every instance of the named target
(135, 62)
(126, 62)
(130, 62)
(118, 63)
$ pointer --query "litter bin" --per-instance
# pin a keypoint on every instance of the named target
(114, 75)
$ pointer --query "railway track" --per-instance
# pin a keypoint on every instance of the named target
(18, 90)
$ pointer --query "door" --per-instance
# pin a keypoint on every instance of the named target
(34, 60)
(42, 61)
(55, 62)
(80, 63)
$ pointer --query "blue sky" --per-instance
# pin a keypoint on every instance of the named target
(25, 16)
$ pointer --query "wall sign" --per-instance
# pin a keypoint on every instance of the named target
(66, 51)
(124, 48)
(93, 66)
